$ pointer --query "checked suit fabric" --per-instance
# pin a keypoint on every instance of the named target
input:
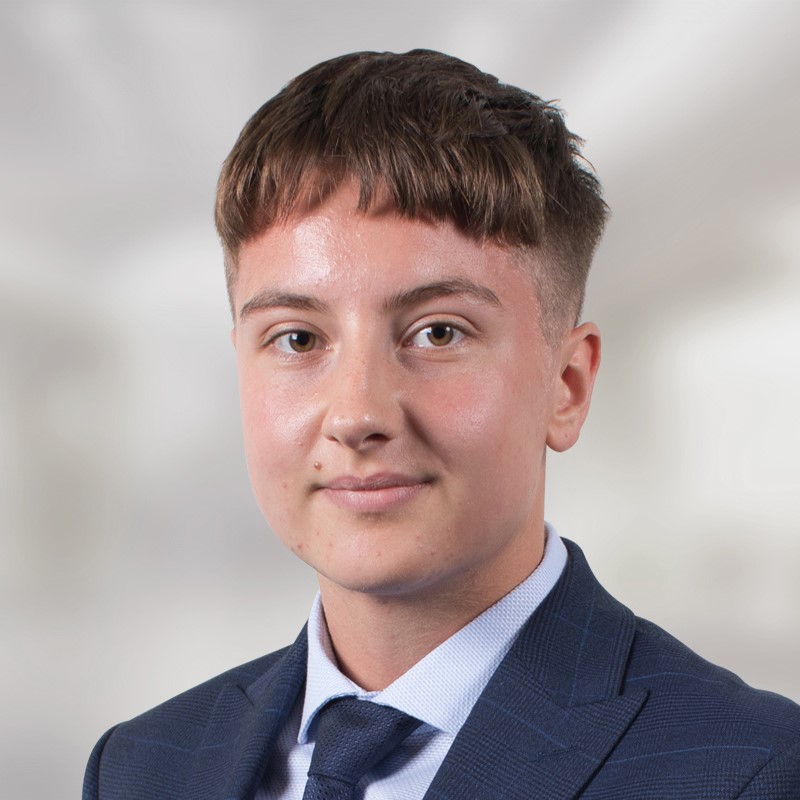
(590, 703)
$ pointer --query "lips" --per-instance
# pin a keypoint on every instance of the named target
(373, 493)
(381, 480)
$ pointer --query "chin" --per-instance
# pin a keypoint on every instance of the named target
(388, 585)
(410, 580)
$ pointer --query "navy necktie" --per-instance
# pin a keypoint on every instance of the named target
(352, 737)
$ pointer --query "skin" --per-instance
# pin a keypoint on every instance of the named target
(398, 398)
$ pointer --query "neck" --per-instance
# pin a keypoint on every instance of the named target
(377, 637)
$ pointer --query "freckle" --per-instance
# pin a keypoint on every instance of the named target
(317, 466)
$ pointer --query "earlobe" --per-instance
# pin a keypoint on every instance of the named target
(580, 359)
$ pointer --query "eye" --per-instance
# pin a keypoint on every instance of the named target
(295, 342)
(437, 335)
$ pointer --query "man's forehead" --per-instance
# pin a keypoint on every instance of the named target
(327, 214)
(390, 260)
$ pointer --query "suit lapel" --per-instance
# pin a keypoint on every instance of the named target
(552, 712)
(243, 729)
(543, 726)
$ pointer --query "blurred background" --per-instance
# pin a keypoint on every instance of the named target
(133, 560)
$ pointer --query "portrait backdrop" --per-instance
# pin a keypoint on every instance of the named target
(134, 560)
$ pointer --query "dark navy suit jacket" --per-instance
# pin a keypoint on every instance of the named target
(589, 703)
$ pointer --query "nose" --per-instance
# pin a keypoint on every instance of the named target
(364, 409)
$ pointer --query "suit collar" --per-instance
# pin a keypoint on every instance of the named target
(577, 642)
(553, 710)
(544, 724)
(244, 727)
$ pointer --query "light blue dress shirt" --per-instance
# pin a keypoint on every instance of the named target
(440, 690)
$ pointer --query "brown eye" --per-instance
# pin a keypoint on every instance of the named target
(296, 342)
(439, 335)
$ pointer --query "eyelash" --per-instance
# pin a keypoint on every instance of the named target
(273, 341)
(456, 332)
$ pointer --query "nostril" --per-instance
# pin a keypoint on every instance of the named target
(357, 433)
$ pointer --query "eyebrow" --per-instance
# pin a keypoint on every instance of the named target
(266, 299)
(445, 288)
(398, 301)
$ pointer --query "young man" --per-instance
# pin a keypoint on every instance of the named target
(406, 244)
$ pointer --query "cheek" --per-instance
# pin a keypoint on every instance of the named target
(277, 426)
(469, 416)
(485, 406)
(490, 429)
(274, 429)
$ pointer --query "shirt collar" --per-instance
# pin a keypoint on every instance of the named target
(427, 691)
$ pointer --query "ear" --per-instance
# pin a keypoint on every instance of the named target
(233, 337)
(579, 358)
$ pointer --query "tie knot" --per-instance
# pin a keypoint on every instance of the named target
(352, 737)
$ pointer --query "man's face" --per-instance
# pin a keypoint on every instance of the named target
(397, 395)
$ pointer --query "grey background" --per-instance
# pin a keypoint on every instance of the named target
(133, 560)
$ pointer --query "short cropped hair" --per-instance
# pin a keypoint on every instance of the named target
(440, 139)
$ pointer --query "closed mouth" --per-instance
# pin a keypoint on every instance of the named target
(375, 493)
(383, 480)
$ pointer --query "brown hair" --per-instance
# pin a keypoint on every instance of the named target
(443, 140)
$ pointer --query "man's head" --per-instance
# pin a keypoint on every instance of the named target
(397, 228)
(443, 141)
